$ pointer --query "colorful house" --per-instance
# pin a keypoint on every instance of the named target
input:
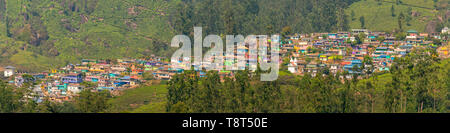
(72, 78)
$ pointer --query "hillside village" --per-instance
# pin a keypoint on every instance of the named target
(64, 83)
(357, 52)
(339, 53)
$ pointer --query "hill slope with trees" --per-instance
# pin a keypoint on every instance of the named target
(38, 35)
(390, 15)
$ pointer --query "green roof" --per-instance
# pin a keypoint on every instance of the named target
(412, 31)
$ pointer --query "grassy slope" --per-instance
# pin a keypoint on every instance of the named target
(140, 100)
(28, 60)
(379, 18)
(158, 107)
(110, 32)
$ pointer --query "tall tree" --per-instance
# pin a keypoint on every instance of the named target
(362, 21)
(392, 11)
(92, 102)
(9, 99)
(400, 19)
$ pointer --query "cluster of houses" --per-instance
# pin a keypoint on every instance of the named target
(245, 55)
(306, 53)
(65, 83)
(338, 51)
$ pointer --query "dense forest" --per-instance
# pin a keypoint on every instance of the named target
(19, 100)
(261, 16)
(45, 34)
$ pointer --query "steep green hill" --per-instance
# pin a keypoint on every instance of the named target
(37, 35)
(383, 15)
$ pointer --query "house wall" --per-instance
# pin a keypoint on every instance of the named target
(8, 73)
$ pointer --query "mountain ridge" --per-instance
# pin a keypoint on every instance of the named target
(66, 31)
(46, 34)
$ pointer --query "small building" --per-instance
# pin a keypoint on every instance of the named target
(412, 33)
(292, 66)
(18, 81)
(354, 63)
(445, 30)
(334, 68)
(357, 31)
(72, 78)
(312, 68)
(9, 71)
(75, 88)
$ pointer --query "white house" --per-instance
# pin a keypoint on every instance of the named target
(118, 68)
(9, 71)
(411, 37)
(75, 88)
(334, 68)
(292, 66)
(18, 81)
(445, 30)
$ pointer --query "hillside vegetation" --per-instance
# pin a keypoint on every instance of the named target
(34, 34)
(44, 34)
(142, 99)
(384, 15)
(263, 17)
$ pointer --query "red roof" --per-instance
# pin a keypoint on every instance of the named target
(345, 63)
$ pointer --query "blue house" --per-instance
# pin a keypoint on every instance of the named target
(388, 43)
(72, 78)
(106, 88)
(125, 78)
(202, 74)
(120, 83)
(332, 35)
(112, 75)
(63, 87)
(39, 76)
(350, 66)
(94, 80)
(318, 44)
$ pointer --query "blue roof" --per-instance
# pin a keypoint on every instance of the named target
(350, 66)
(107, 87)
(318, 43)
(356, 61)
(412, 31)
(10, 67)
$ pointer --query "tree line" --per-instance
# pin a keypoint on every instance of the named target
(22, 100)
(260, 16)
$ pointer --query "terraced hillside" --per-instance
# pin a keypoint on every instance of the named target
(38, 35)
(383, 15)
